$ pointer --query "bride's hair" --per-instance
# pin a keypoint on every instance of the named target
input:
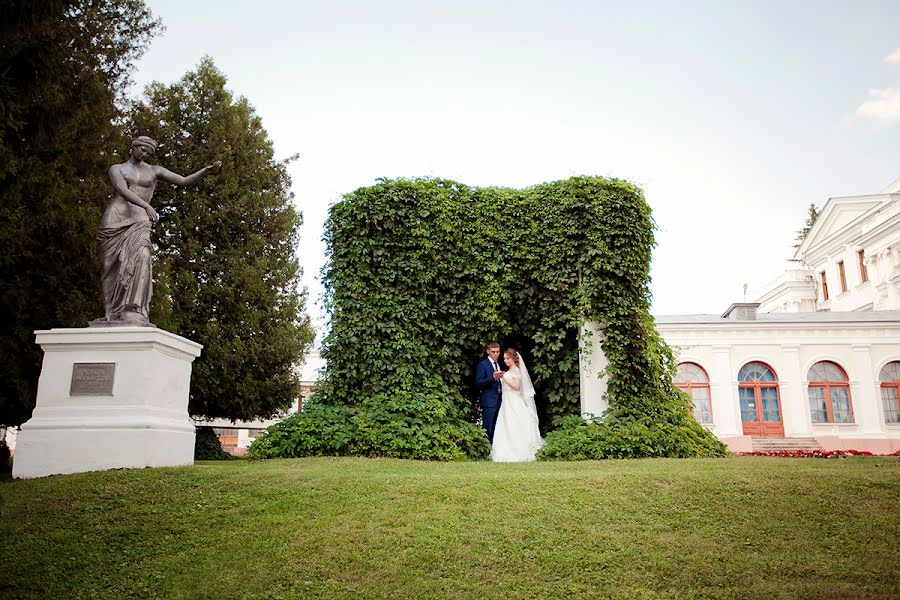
(511, 353)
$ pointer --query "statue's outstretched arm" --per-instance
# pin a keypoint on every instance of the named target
(179, 180)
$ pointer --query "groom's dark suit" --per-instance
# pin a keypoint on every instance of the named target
(490, 395)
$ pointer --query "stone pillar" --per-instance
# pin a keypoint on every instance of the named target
(794, 401)
(723, 389)
(592, 365)
(865, 393)
(109, 398)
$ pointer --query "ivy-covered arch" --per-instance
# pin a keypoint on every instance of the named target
(422, 272)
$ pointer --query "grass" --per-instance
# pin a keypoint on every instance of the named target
(367, 528)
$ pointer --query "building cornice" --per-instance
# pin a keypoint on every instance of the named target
(759, 332)
(817, 250)
(811, 244)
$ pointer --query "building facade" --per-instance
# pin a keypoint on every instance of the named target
(815, 361)
(827, 379)
(848, 261)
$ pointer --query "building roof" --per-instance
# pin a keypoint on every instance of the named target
(841, 214)
(894, 188)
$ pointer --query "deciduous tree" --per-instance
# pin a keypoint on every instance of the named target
(226, 271)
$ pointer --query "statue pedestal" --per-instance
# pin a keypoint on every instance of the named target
(109, 398)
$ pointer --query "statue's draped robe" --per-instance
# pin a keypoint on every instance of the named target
(125, 268)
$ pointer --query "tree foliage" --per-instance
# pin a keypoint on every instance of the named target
(421, 273)
(225, 270)
(208, 447)
(811, 215)
(64, 68)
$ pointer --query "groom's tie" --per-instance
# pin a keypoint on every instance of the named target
(496, 368)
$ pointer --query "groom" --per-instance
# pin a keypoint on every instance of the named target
(487, 378)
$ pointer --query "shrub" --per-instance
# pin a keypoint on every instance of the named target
(404, 424)
(578, 439)
(208, 447)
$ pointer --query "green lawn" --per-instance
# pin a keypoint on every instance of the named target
(367, 528)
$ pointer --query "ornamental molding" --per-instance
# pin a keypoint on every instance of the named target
(723, 340)
(838, 218)
(856, 236)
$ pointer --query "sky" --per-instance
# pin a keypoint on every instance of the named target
(733, 116)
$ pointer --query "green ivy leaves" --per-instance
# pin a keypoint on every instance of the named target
(422, 272)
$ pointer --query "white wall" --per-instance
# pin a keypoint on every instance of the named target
(790, 349)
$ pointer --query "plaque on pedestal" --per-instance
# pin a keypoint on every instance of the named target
(109, 398)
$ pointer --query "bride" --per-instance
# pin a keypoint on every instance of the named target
(516, 438)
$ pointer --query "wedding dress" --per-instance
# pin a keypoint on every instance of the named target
(516, 437)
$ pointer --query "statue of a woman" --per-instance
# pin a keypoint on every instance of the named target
(125, 259)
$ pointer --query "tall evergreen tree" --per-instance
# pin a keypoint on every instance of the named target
(64, 69)
(225, 266)
(811, 216)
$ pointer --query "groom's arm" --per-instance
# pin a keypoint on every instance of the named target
(483, 377)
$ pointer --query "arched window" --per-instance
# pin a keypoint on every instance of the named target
(829, 394)
(758, 393)
(691, 378)
(890, 391)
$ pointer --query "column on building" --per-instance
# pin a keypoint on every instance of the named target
(865, 393)
(723, 389)
(794, 402)
(591, 364)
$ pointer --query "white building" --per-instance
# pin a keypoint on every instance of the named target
(792, 380)
(815, 362)
(849, 260)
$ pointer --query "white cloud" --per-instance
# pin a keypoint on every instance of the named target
(882, 104)
(893, 57)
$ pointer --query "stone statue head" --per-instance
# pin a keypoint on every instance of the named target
(145, 145)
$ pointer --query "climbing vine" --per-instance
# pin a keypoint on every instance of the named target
(422, 272)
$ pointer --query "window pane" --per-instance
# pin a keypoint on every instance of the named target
(702, 406)
(825, 371)
(840, 404)
(771, 412)
(817, 410)
(889, 401)
(690, 373)
(756, 371)
(890, 372)
(705, 411)
(748, 405)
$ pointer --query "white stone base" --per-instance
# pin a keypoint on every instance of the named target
(140, 421)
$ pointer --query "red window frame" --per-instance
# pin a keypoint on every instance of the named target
(895, 384)
(761, 427)
(824, 286)
(687, 386)
(863, 271)
(829, 385)
(841, 274)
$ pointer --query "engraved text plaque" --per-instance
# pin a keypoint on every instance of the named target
(92, 379)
